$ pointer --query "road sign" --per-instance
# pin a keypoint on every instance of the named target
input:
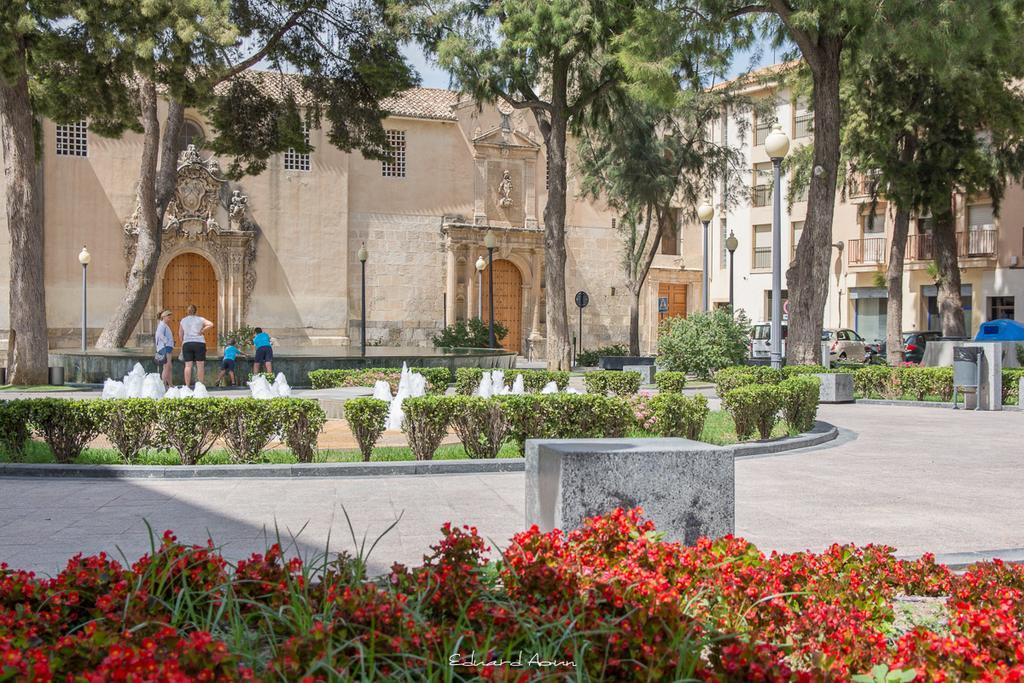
(662, 304)
(582, 299)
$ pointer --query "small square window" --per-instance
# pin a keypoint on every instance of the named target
(395, 166)
(297, 161)
(73, 139)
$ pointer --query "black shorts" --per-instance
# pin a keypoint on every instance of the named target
(191, 351)
(264, 354)
(228, 365)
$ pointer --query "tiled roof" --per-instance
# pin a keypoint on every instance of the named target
(420, 103)
(760, 76)
(423, 103)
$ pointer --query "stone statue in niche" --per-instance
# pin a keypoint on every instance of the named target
(505, 190)
(236, 210)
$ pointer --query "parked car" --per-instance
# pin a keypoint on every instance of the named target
(760, 340)
(844, 345)
(914, 344)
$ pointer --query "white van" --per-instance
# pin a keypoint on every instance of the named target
(760, 340)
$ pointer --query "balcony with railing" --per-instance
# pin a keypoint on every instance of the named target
(980, 241)
(862, 184)
(761, 195)
(869, 251)
(762, 258)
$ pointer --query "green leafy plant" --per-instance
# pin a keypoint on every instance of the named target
(790, 370)
(679, 416)
(66, 425)
(584, 416)
(1011, 385)
(618, 382)
(14, 427)
(426, 423)
(524, 416)
(242, 337)
(248, 428)
(589, 358)
(480, 424)
(754, 408)
(366, 417)
(129, 425)
(881, 673)
(702, 343)
(731, 378)
(190, 425)
(1020, 355)
(473, 333)
(669, 382)
(800, 401)
(437, 378)
(300, 422)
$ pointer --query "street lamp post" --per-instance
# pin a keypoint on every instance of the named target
(705, 212)
(490, 241)
(777, 146)
(480, 265)
(85, 258)
(731, 243)
(363, 255)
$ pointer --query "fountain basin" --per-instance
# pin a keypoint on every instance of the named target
(95, 365)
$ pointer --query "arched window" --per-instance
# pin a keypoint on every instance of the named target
(191, 134)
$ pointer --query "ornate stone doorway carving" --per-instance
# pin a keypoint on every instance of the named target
(204, 220)
(190, 279)
(508, 301)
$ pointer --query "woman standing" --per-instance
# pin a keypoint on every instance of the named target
(193, 343)
(164, 342)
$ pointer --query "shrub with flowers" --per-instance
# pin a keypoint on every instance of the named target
(610, 601)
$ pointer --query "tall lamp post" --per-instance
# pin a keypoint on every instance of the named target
(480, 265)
(705, 212)
(730, 244)
(85, 258)
(777, 146)
(363, 255)
(490, 241)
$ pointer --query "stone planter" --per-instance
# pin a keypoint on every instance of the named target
(646, 372)
(835, 388)
(619, 362)
(686, 487)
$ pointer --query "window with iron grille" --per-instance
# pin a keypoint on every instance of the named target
(297, 161)
(395, 166)
(762, 244)
(73, 139)
(803, 122)
(762, 127)
(721, 241)
(762, 190)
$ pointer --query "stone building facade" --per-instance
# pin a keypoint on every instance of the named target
(279, 250)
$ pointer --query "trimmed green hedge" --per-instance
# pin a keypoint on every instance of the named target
(1011, 384)
(669, 382)
(467, 380)
(366, 417)
(618, 382)
(480, 424)
(438, 379)
(188, 425)
(678, 415)
(754, 407)
(800, 401)
(426, 423)
(15, 429)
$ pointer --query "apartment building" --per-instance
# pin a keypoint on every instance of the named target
(990, 246)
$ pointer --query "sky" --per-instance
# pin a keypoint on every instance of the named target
(433, 77)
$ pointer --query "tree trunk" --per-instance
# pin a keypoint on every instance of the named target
(807, 277)
(147, 248)
(558, 342)
(27, 343)
(634, 323)
(894, 284)
(951, 305)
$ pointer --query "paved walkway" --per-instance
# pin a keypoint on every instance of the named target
(919, 479)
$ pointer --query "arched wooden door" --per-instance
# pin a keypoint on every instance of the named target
(190, 279)
(508, 301)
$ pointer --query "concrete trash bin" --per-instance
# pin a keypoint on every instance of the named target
(57, 376)
(966, 369)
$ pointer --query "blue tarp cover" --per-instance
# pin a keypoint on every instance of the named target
(1001, 330)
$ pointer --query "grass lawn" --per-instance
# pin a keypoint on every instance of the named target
(38, 388)
(718, 429)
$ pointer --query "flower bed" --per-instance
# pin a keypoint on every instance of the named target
(606, 602)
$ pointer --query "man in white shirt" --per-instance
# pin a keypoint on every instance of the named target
(193, 347)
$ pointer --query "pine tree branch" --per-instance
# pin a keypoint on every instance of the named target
(258, 56)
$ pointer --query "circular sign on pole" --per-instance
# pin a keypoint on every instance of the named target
(785, 306)
(582, 299)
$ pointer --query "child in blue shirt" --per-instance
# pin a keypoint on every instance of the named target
(227, 365)
(264, 351)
